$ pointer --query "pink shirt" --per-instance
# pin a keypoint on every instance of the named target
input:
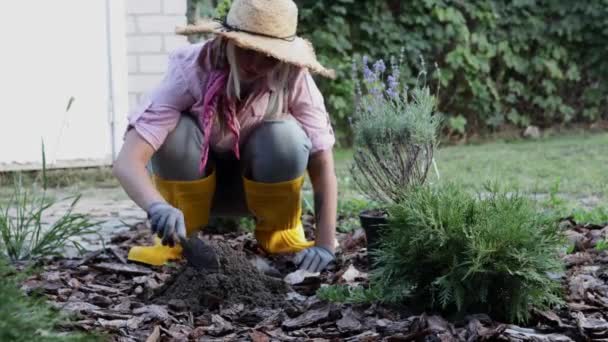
(181, 88)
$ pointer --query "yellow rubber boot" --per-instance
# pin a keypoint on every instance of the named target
(194, 199)
(278, 210)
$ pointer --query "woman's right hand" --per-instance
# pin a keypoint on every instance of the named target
(165, 220)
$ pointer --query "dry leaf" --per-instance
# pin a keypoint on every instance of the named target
(270, 319)
(101, 288)
(295, 297)
(581, 307)
(152, 284)
(263, 265)
(52, 276)
(550, 317)
(113, 324)
(180, 331)
(220, 326)
(351, 274)
(153, 312)
(197, 333)
(365, 336)
(52, 287)
(349, 322)
(99, 300)
(354, 240)
(232, 310)
(124, 305)
(107, 314)
(437, 324)
(79, 307)
(74, 283)
(307, 318)
(31, 285)
(515, 333)
(122, 268)
(297, 277)
(593, 327)
(134, 323)
(140, 280)
(155, 335)
(475, 331)
(280, 335)
(258, 336)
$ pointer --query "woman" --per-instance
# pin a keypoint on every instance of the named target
(231, 130)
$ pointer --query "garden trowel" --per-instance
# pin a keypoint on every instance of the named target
(199, 255)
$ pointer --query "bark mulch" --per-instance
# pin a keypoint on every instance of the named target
(249, 300)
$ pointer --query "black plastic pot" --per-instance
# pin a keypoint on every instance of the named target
(372, 221)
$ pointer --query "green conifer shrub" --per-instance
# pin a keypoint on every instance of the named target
(445, 249)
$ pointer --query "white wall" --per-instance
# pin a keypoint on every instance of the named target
(102, 53)
(54, 51)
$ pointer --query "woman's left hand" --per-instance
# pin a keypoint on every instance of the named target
(314, 259)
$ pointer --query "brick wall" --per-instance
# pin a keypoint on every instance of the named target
(150, 38)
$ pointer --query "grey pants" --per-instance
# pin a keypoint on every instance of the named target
(276, 151)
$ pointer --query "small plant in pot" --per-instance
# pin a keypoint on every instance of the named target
(395, 134)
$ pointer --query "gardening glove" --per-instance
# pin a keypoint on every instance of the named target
(314, 259)
(166, 220)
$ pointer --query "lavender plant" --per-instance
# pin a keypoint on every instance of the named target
(395, 131)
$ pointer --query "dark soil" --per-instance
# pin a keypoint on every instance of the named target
(236, 282)
(374, 213)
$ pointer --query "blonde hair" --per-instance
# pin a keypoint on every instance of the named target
(224, 51)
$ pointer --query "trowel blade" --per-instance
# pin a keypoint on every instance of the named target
(200, 255)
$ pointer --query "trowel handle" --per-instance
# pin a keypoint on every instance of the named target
(177, 237)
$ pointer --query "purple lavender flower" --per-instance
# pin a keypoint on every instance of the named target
(393, 83)
(395, 71)
(368, 75)
(393, 94)
(379, 66)
(365, 59)
(374, 91)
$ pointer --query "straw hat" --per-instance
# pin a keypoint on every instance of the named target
(267, 26)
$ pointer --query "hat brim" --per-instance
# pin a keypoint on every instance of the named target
(298, 51)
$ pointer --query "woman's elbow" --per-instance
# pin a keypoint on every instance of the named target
(134, 155)
(121, 165)
(117, 168)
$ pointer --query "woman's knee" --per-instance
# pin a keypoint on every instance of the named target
(277, 151)
(179, 156)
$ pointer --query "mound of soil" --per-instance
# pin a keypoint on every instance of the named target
(236, 282)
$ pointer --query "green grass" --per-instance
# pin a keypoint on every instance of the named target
(23, 234)
(576, 162)
(597, 215)
(602, 245)
(100, 177)
(348, 294)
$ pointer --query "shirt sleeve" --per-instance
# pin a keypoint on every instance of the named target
(158, 112)
(306, 105)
